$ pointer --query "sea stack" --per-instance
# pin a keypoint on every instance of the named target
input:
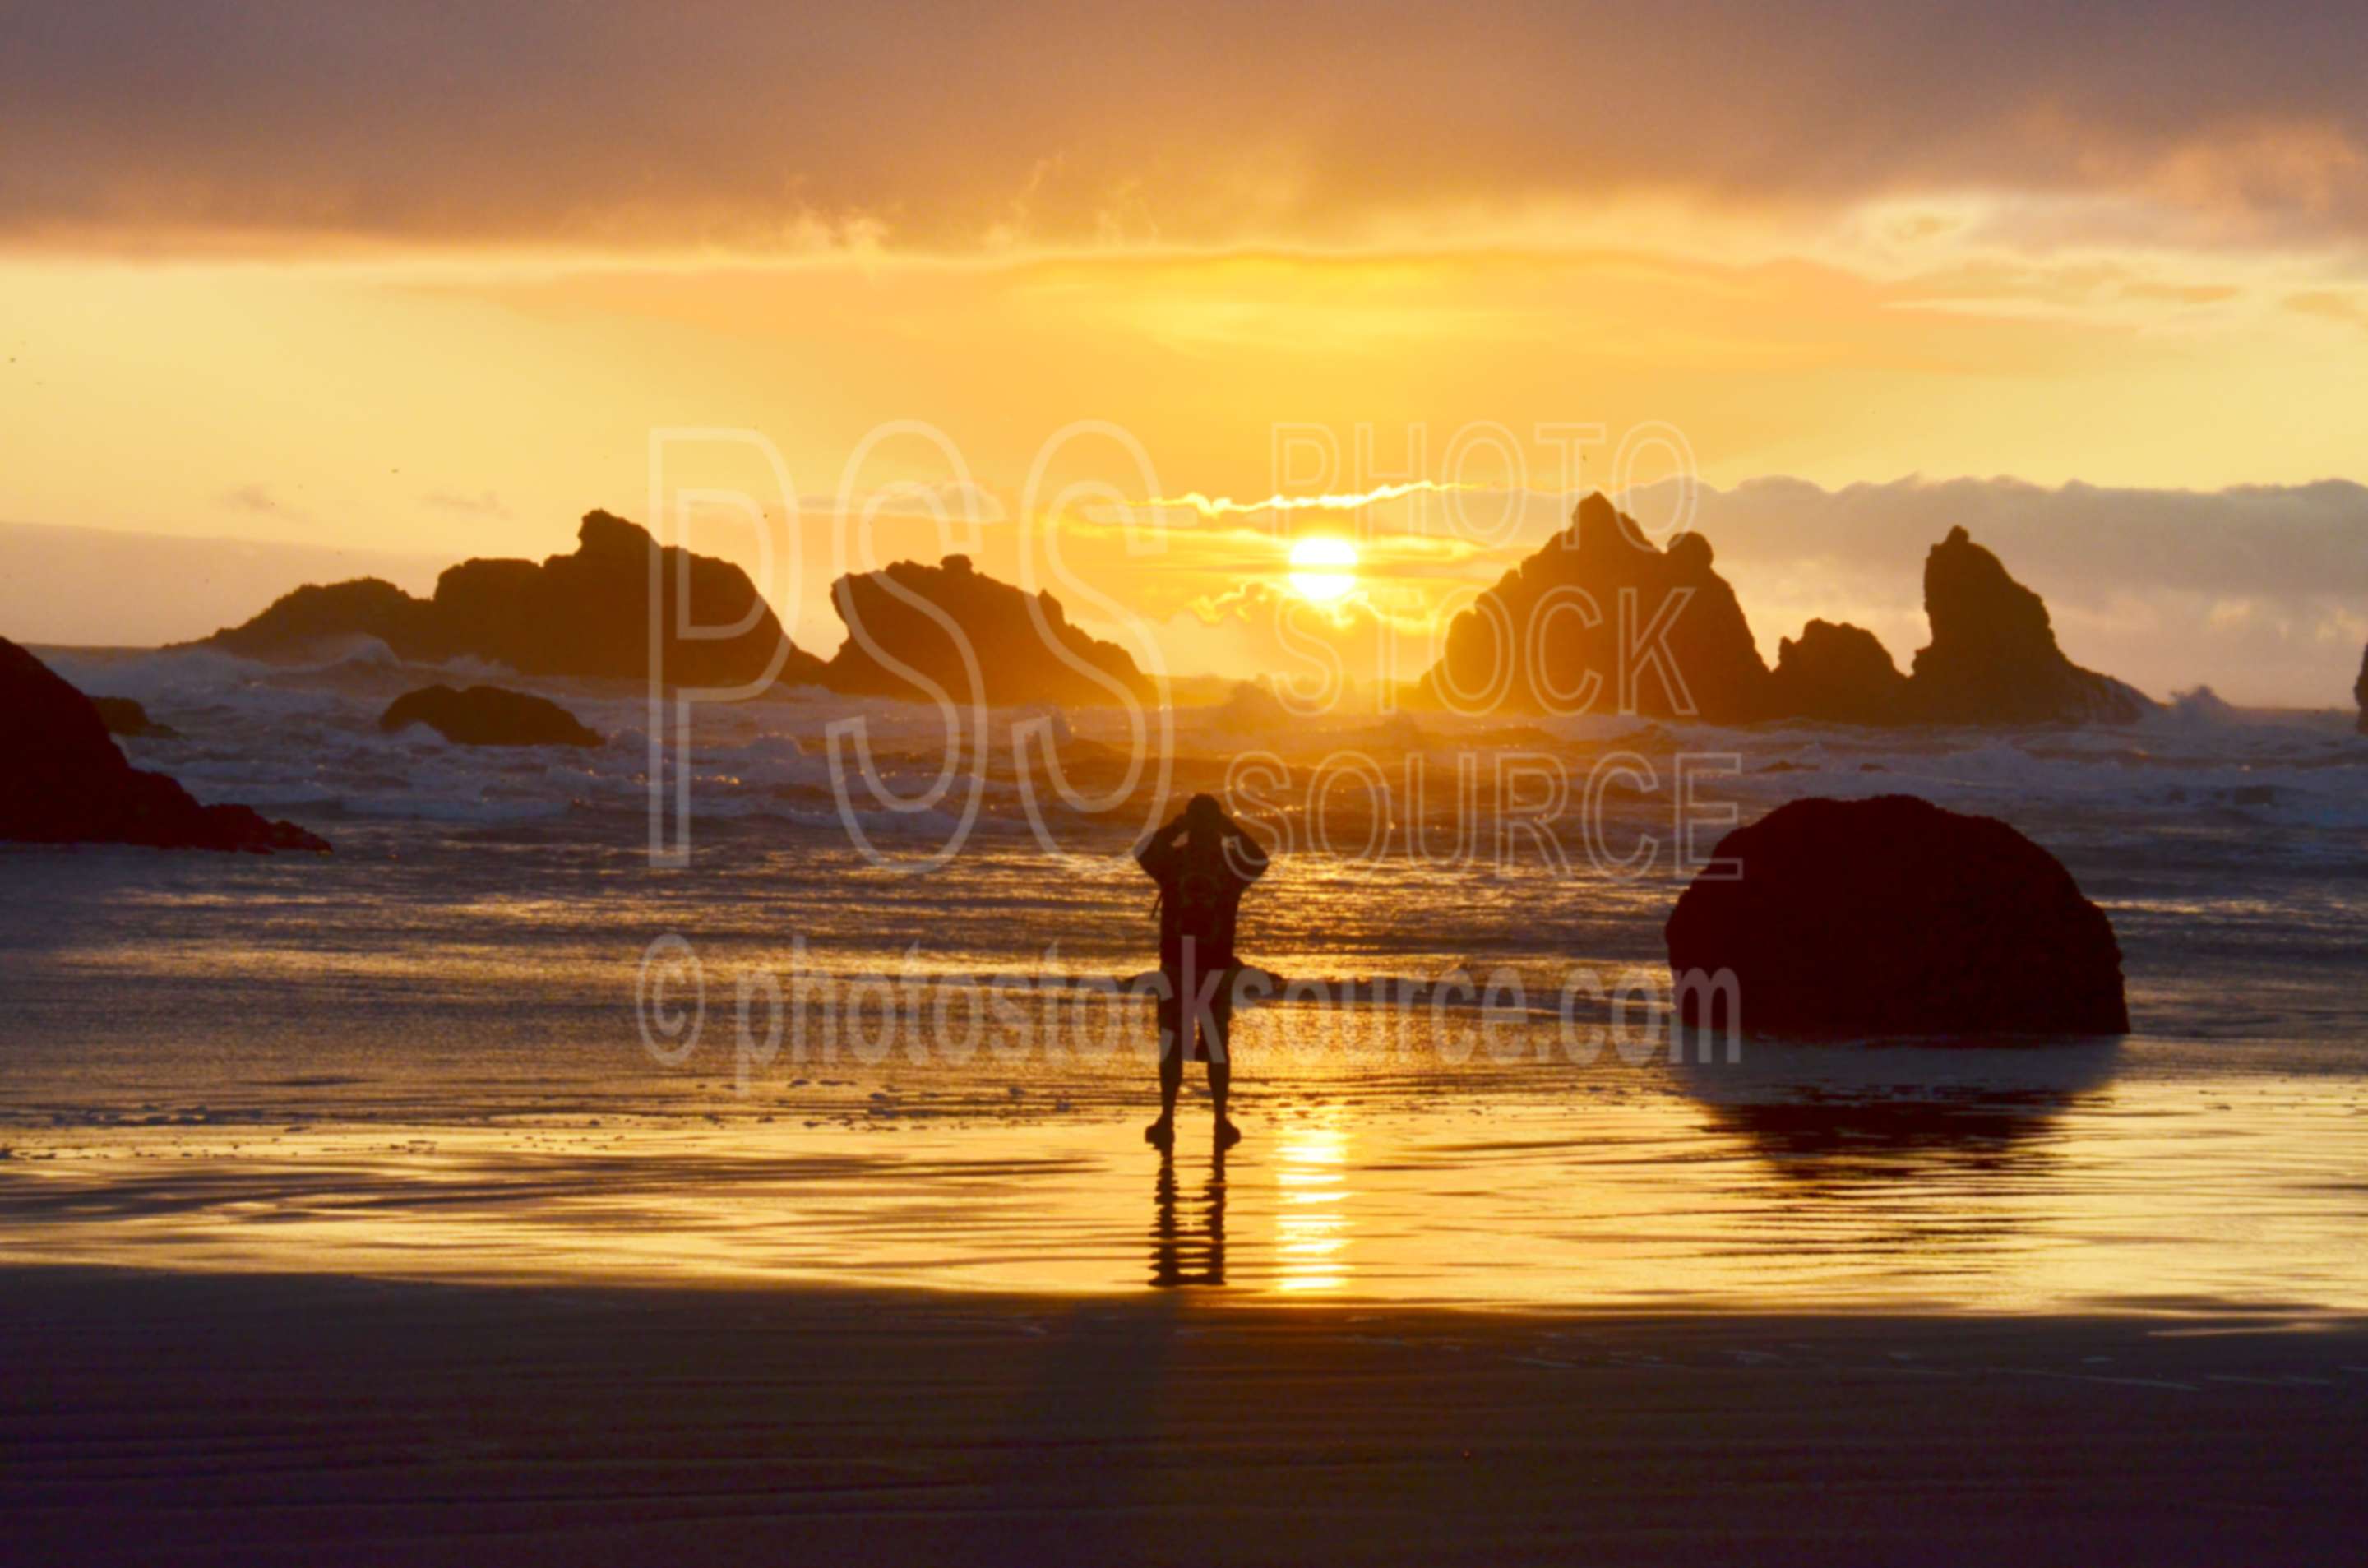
(1993, 658)
(582, 614)
(1892, 917)
(1837, 675)
(1554, 634)
(923, 619)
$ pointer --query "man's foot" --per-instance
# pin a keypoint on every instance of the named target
(1160, 1134)
(1227, 1134)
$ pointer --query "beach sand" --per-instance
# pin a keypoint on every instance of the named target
(187, 1417)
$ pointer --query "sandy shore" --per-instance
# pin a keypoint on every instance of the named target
(254, 1418)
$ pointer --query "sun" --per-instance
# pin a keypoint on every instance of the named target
(1323, 569)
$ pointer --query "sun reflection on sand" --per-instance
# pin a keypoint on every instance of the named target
(1310, 1227)
(2037, 1182)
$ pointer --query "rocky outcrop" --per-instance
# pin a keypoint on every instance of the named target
(582, 614)
(488, 716)
(1993, 658)
(1893, 917)
(1835, 673)
(318, 618)
(125, 718)
(1252, 708)
(2360, 691)
(63, 780)
(1602, 620)
(1020, 654)
(587, 614)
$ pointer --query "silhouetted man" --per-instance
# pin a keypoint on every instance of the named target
(1203, 862)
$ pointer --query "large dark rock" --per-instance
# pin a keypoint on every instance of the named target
(125, 718)
(1893, 917)
(1019, 653)
(1993, 658)
(1838, 673)
(488, 716)
(582, 614)
(1663, 618)
(64, 781)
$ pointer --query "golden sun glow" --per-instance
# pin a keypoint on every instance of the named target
(1323, 569)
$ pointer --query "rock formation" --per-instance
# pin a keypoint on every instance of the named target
(1601, 620)
(1893, 917)
(488, 716)
(2360, 691)
(1017, 660)
(125, 718)
(63, 780)
(1837, 674)
(1993, 658)
(1252, 708)
(315, 618)
(582, 614)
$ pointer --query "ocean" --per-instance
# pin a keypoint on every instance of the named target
(493, 1038)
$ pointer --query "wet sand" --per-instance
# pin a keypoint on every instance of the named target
(167, 1416)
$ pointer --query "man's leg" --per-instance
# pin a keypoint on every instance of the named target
(1217, 1040)
(1172, 1039)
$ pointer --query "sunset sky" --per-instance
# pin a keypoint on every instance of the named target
(375, 290)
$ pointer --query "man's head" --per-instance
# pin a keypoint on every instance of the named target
(1203, 817)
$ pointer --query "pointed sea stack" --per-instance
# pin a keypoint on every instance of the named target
(1993, 658)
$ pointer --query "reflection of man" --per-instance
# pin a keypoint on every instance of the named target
(1183, 1253)
(1203, 862)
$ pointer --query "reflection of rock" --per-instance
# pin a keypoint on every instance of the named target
(64, 781)
(1993, 658)
(1838, 673)
(1017, 660)
(1893, 917)
(125, 718)
(1549, 636)
(487, 716)
(1823, 1114)
(582, 614)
